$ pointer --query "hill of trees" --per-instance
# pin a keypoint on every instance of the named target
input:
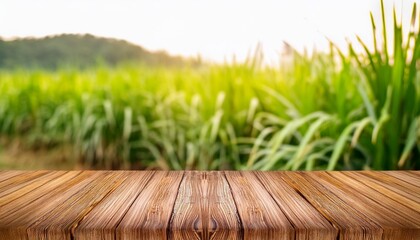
(78, 51)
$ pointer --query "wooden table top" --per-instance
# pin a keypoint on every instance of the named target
(209, 205)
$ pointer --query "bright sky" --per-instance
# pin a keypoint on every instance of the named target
(215, 29)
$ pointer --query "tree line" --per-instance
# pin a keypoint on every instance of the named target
(81, 51)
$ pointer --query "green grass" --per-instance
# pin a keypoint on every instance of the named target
(323, 111)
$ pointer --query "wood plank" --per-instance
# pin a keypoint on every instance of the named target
(405, 176)
(7, 206)
(20, 178)
(351, 222)
(307, 221)
(377, 199)
(61, 221)
(260, 215)
(102, 221)
(394, 182)
(17, 216)
(204, 208)
(393, 192)
(209, 205)
(8, 174)
(19, 190)
(149, 215)
(381, 211)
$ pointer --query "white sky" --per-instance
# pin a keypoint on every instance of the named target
(215, 29)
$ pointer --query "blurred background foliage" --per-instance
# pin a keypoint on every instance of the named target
(107, 104)
(80, 52)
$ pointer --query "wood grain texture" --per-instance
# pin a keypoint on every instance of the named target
(17, 216)
(204, 208)
(398, 222)
(8, 174)
(306, 220)
(18, 179)
(377, 199)
(209, 205)
(395, 192)
(395, 183)
(20, 190)
(149, 215)
(352, 224)
(260, 215)
(405, 177)
(102, 221)
(59, 222)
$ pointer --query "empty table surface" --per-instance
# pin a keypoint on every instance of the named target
(209, 205)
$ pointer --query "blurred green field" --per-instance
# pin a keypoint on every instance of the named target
(324, 111)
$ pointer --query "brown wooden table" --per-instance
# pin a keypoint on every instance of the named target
(209, 205)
